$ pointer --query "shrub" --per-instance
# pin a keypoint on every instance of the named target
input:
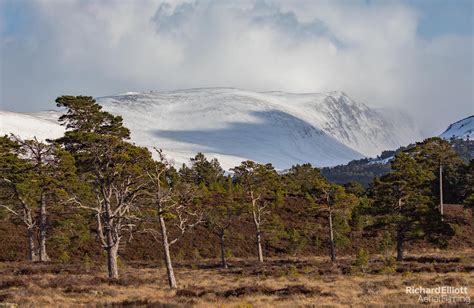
(390, 265)
(292, 272)
(361, 261)
(296, 242)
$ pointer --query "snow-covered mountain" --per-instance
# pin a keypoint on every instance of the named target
(461, 129)
(233, 125)
(41, 125)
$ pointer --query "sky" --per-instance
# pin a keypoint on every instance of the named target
(413, 56)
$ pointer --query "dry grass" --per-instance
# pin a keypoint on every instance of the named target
(292, 282)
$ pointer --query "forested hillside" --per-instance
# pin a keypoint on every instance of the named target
(366, 170)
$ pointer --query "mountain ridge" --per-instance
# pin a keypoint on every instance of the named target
(233, 125)
(463, 129)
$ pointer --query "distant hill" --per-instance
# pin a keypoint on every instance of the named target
(462, 129)
(324, 129)
(365, 170)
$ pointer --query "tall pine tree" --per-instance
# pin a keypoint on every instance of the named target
(114, 169)
(403, 204)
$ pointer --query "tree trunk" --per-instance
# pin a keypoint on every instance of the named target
(256, 222)
(331, 238)
(441, 205)
(224, 261)
(112, 245)
(400, 241)
(31, 245)
(259, 244)
(43, 256)
(112, 264)
(167, 256)
(112, 241)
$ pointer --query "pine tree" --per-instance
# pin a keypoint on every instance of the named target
(324, 197)
(15, 176)
(338, 205)
(261, 184)
(222, 211)
(202, 171)
(402, 203)
(39, 175)
(114, 169)
(467, 185)
(84, 115)
(217, 192)
(438, 156)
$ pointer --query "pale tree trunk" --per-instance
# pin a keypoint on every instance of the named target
(111, 241)
(331, 238)
(167, 255)
(32, 256)
(441, 205)
(258, 233)
(259, 245)
(222, 238)
(112, 264)
(31, 245)
(112, 254)
(43, 256)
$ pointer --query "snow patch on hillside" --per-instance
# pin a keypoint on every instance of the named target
(29, 126)
(462, 129)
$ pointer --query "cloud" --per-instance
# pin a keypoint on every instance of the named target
(372, 52)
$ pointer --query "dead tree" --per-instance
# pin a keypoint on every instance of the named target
(259, 211)
(172, 201)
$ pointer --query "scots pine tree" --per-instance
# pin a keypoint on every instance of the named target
(439, 156)
(326, 199)
(402, 203)
(262, 191)
(38, 174)
(114, 169)
(218, 194)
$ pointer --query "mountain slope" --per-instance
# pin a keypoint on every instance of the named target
(365, 170)
(233, 125)
(41, 125)
(462, 129)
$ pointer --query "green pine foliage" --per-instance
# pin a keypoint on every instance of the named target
(364, 171)
(404, 204)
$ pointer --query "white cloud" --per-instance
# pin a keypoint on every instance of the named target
(372, 52)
